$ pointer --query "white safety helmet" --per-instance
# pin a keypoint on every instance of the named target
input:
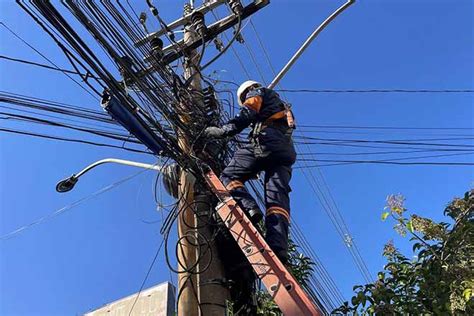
(243, 89)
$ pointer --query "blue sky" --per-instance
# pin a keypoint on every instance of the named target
(100, 250)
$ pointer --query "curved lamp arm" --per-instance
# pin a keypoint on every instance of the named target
(68, 183)
(307, 42)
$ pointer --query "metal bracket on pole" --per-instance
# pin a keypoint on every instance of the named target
(205, 8)
(175, 51)
(308, 42)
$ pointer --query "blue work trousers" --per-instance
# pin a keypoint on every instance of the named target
(246, 165)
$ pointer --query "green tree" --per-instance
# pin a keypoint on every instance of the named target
(438, 280)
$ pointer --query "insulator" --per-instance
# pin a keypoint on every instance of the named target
(156, 47)
(142, 18)
(171, 175)
(219, 44)
(239, 38)
(197, 19)
(187, 9)
(236, 6)
(125, 68)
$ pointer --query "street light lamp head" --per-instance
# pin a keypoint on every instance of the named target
(66, 185)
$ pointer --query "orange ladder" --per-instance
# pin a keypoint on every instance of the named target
(281, 285)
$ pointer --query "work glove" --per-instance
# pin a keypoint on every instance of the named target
(214, 132)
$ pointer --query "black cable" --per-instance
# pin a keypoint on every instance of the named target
(42, 55)
(349, 162)
(342, 142)
(237, 31)
(32, 63)
(385, 127)
(376, 90)
(380, 152)
(8, 130)
(146, 276)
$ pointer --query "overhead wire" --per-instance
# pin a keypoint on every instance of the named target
(70, 206)
(377, 90)
(331, 209)
(385, 127)
(158, 103)
(74, 140)
(47, 59)
(236, 55)
(324, 286)
(32, 63)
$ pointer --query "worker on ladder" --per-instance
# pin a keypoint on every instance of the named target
(270, 150)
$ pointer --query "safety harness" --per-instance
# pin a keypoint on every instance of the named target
(285, 115)
(274, 118)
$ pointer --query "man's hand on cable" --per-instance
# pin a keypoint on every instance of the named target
(214, 132)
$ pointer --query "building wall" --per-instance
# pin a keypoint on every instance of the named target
(155, 301)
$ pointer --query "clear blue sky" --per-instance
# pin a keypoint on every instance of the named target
(100, 250)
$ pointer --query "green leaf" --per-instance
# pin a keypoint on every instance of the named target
(356, 287)
(417, 246)
(354, 301)
(467, 294)
(385, 215)
(410, 226)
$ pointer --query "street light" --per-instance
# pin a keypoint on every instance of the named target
(68, 184)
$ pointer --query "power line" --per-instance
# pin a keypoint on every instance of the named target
(342, 141)
(368, 153)
(385, 127)
(73, 140)
(348, 162)
(70, 206)
(32, 63)
(46, 58)
(330, 209)
(396, 160)
(147, 275)
(377, 90)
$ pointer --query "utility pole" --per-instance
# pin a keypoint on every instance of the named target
(204, 290)
(188, 303)
(201, 278)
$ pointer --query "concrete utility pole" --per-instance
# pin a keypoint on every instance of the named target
(206, 284)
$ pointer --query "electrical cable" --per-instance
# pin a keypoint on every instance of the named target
(146, 276)
(376, 90)
(237, 31)
(74, 140)
(46, 58)
(32, 63)
(331, 209)
(389, 162)
(69, 206)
